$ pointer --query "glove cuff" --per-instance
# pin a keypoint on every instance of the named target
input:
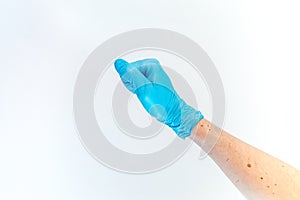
(189, 118)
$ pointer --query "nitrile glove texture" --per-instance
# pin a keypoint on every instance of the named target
(154, 89)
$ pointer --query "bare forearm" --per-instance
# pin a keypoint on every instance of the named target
(256, 174)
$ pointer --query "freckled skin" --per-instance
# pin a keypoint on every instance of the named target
(255, 173)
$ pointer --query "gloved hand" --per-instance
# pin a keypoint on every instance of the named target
(154, 89)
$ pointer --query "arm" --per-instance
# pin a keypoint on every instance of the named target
(255, 173)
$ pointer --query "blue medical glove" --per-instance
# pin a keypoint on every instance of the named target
(154, 89)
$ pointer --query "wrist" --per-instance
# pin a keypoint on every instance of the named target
(189, 118)
(201, 129)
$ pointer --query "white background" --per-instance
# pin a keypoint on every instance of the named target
(254, 44)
